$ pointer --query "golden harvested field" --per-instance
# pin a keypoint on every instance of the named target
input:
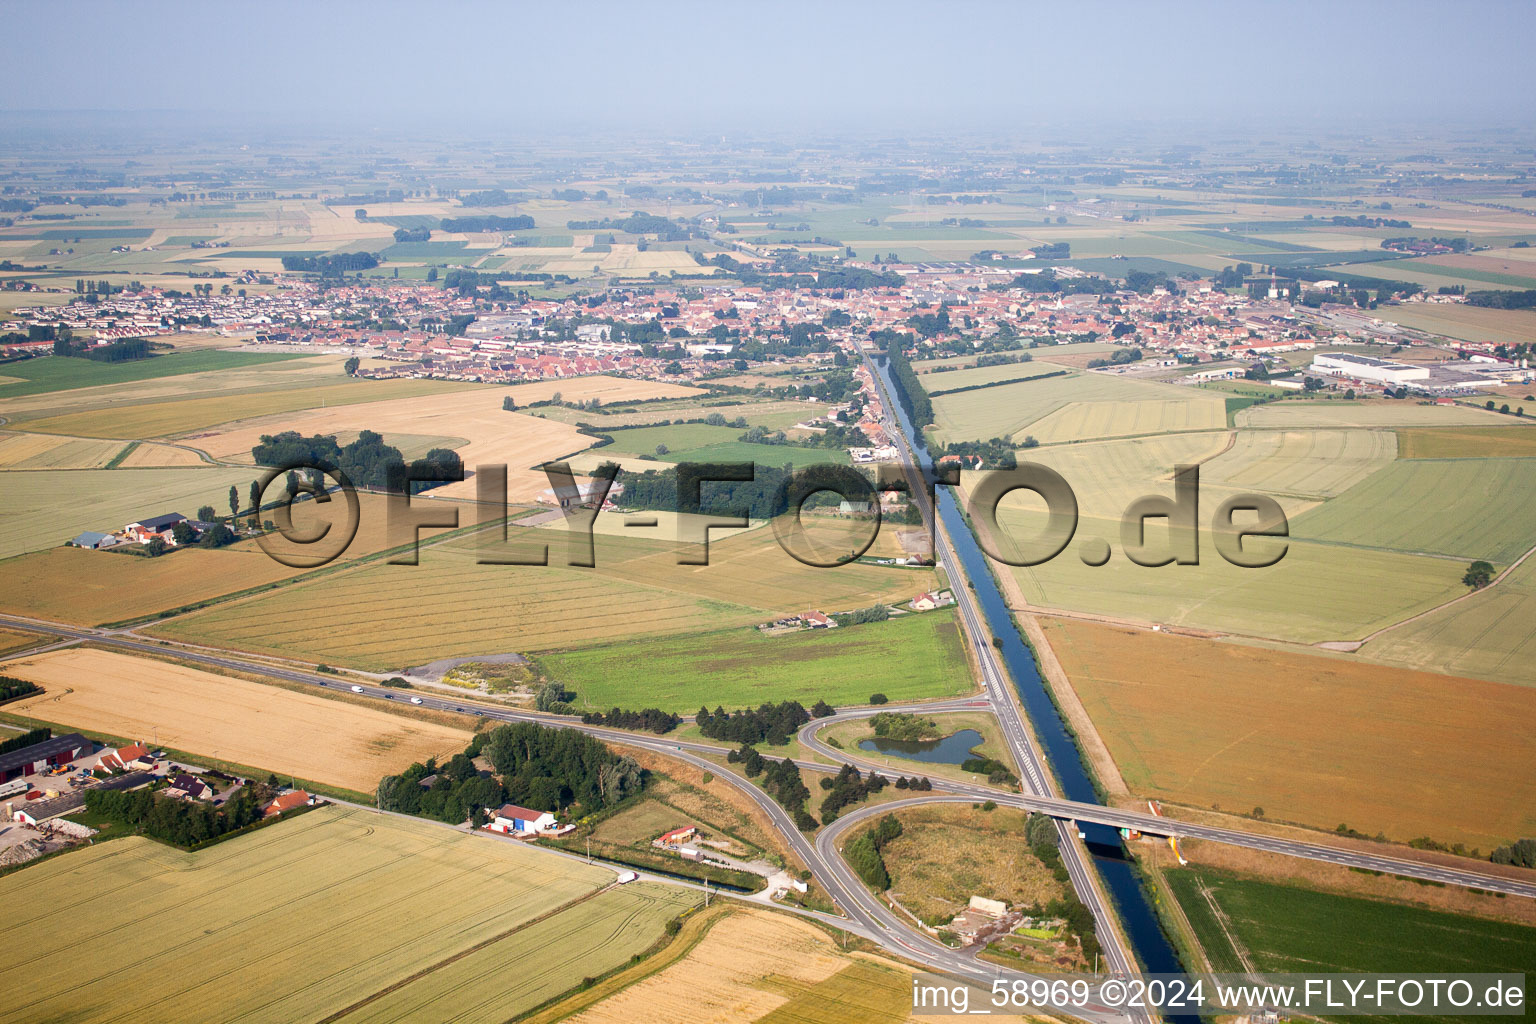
(17, 640)
(1469, 323)
(164, 419)
(48, 451)
(754, 965)
(150, 455)
(391, 616)
(43, 510)
(948, 853)
(107, 586)
(307, 736)
(496, 436)
(340, 904)
(605, 389)
(1312, 739)
(1467, 442)
(1314, 463)
(1293, 415)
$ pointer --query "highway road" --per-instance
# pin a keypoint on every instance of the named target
(1037, 778)
(1067, 810)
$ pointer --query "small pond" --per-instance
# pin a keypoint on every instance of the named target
(952, 749)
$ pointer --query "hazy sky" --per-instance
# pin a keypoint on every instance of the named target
(776, 64)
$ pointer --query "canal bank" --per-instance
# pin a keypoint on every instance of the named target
(1108, 856)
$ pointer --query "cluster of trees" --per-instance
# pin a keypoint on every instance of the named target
(456, 793)
(834, 437)
(771, 723)
(1455, 244)
(1040, 832)
(1052, 251)
(367, 461)
(864, 853)
(1232, 277)
(576, 195)
(637, 223)
(1521, 854)
(1503, 300)
(834, 278)
(1478, 575)
(332, 265)
(848, 787)
(1003, 358)
(930, 325)
(994, 770)
(1119, 357)
(895, 725)
(486, 222)
(535, 766)
(749, 490)
(781, 780)
(123, 351)
(28, 738)
(181, 822)
(487, 197)
(651, 720)
(996, 452)
(917, 783)
(859, 616)
(909, 390)
(1363, 221)
(413, 234)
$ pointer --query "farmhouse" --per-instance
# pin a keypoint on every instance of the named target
(287, 802)
(93, 540)
(156, 526)
(189, 786)
(817, 620)
(513, 819)
(39, 757)
(125, 758)
(677, 835)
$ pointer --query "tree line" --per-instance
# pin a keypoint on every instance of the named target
(864, 852)
(27, 738)
(770, 723)
(486, 222)
(332, 265)
(182, 823)
(650, 720)
(367, 461)
(781, 780)
(1503, 299)
(848, 787)
(909, 390)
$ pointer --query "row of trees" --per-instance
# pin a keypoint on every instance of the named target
(332, 265)
(486, 222)
(650, 720)
(181, 822)
(848, 787)
(864, 852)
(771, 723)
(781, 780)
(909, 390)
(367, 461)
(27, 738)
(1040, 832)
(1503, 300)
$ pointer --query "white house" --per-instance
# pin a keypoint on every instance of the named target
(522, 821)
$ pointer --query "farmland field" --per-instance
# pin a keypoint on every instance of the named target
(16, 640)
(43, 510)
(1107, 403)
(387, 616)
(163, 419)
(300, 734)
(948, 853)
(1320, 463)
(1296, 415)
(1490, 634)
(495, 436)
(1469, 323)
(1283, 928)
(1473, 508)
(108, 586)
(1467, 442)
(917, 656)
(335, 901)
(1312, 739)
(49, 451)
(57, 373)
(1317, 592)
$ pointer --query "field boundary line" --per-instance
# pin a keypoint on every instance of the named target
(1500, 578)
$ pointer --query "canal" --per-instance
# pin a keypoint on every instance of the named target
(1062, 756)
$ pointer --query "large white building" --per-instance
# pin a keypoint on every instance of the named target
(1379, 371)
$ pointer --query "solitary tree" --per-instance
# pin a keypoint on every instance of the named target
(206, 514)
(351, 365)
(234, 501)
(255, 496)
(1479, 575)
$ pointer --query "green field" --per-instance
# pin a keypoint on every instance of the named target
(1490, 634)
(913, 657)
(44, 509)
(699, 442)
(1317, 592)
(1315, 463)
(386, 617)
(1069, 408)
(1472, 508)
(1284, 928)
(56, 373)
(342, 905)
